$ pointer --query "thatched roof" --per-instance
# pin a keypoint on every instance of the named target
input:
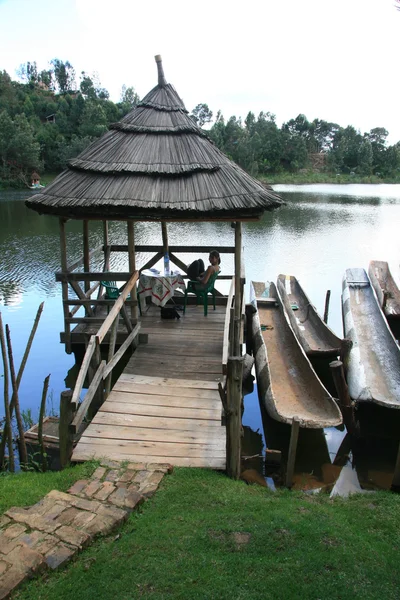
(156, 163)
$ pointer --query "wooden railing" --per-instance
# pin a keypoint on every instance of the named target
(72, 416)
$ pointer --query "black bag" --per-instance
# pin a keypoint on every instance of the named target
(169, 312)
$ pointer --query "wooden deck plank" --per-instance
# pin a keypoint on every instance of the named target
(112, 405)
(207, 437)
(152, 448)
(85, 452)
(163, 400)
(170, 391)
(166, 407)
(157, 422)
(168, 382)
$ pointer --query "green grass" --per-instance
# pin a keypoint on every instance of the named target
(24, 489)
(204, 536)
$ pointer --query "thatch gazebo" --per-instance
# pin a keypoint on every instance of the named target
(155, 164)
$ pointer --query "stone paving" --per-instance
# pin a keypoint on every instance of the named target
(48, 534)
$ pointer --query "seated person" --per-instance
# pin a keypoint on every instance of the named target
(197, 272)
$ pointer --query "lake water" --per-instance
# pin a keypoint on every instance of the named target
(321, 231)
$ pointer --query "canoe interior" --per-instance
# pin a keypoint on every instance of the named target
(314, 335)
(385, 287)
(288, 385)
(373, 369)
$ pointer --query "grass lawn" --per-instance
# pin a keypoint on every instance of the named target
(203, 536)
(24, 489)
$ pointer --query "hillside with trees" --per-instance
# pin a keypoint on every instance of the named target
(47, 118)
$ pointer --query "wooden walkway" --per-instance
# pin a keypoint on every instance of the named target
(165, 407)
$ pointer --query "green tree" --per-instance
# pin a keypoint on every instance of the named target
(64, 75)
(201, 114)
(93, 121)
(19, 151)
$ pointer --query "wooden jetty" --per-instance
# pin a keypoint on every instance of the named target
(154, 165)
(166, 407)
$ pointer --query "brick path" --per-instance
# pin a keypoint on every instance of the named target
(49, 533)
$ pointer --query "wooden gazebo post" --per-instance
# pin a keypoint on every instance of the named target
(132, 265)
(235, 373)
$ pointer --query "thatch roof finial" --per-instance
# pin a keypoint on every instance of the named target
(161, 77)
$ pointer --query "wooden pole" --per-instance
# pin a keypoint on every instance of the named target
(23, 455)
(40, 427)
(64, 285)
(111, 349)
(294, 436)
(395, 487)
(234, 415)
(86, 257)
(164, 233)
(7, 432)
(66, 438)
(19, 377)
(237, 304)
(98, 398)
(346, 404)
(326, 311)
(132, 267)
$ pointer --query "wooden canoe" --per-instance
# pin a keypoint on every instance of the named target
(385, 287)
(312, 332)
(373, 363)
(287, 383)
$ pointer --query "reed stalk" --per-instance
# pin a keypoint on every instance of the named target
(40, 427)
(23, 455)
(7, 432)
(19, 377)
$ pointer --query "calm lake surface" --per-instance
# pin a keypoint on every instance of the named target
(321, 231)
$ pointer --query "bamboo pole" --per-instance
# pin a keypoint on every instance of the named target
(23, 455)
(294, 436)
(64, 285)
(19, 375)
(7, 431)
(40, 426)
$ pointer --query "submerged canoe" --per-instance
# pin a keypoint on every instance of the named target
(373, 365)
(312, 332)
(385, 287)
(287, 383)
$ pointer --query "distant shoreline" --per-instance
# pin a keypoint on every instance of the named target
(279, 178)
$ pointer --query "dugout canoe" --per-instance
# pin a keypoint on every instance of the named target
(373, 362)
(313, 333)
(385, 287)
(287, 383)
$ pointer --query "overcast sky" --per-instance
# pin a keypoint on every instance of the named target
(336, 60)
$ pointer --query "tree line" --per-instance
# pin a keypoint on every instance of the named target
(46, 119)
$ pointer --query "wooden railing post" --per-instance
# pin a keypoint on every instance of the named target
(294, 436)
(66, 438)
(98, 398)
(234, 415)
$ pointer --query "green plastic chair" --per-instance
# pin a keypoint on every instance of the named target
(201, 294)
(113, 292)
